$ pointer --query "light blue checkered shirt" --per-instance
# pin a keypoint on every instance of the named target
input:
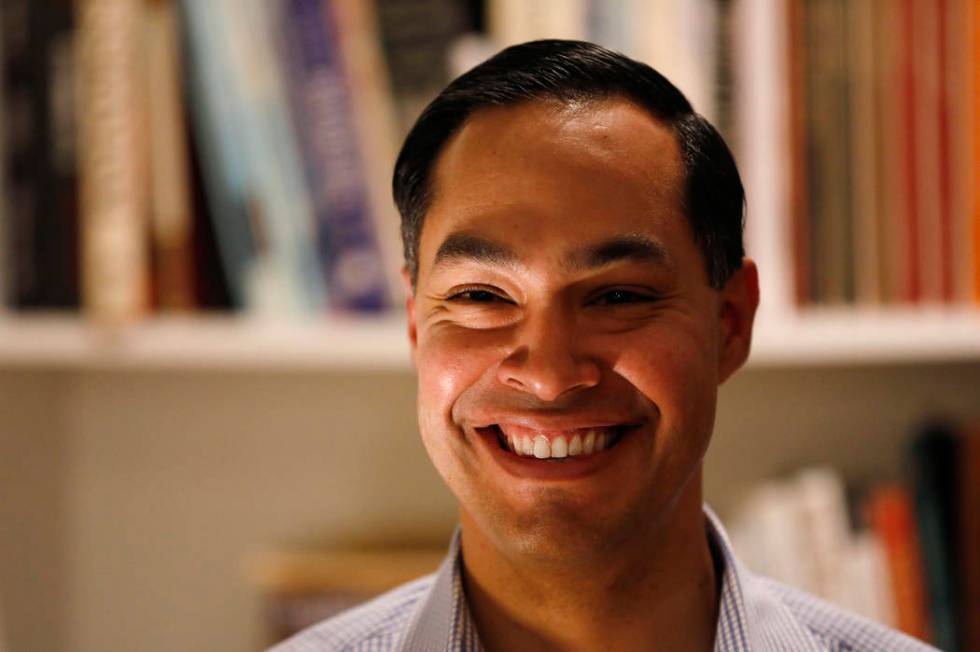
(757, 614)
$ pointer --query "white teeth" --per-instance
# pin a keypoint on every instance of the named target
(527, 445)
(559, 447)
(600, 442)
(593, 441)
(542, 449)
(588, 445)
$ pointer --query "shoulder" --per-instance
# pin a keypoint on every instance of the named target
(376, 625)
(838, 630)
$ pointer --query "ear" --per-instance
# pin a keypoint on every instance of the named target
(410, 312)
(739, 301)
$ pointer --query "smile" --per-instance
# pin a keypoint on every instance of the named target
(557, 445)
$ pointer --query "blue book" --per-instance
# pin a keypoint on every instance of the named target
(253, 172)
(216, 121)
(350, 254)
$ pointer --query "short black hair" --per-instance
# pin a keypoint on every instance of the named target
(576, 71)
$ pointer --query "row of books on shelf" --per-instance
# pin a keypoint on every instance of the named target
(903, 553)
(874, 117)
(176, 154)
(885, 151)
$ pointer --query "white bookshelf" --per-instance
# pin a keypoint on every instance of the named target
(814, 337)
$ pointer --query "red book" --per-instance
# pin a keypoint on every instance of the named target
(891, 515)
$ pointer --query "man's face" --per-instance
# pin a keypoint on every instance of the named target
(562, 304)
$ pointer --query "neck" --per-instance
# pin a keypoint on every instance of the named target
(658, 592)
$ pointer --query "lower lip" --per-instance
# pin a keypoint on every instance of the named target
(572, 468)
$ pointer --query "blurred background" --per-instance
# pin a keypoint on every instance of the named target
(207, 427)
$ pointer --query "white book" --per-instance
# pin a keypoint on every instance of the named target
(770, 536)
(868, 583)
(516, 21)
(112, 162)
(823, 512)
(762, 146)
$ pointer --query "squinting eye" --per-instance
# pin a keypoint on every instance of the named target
(475, 296)
(617, 297)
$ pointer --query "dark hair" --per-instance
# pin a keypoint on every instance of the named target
(570, 71)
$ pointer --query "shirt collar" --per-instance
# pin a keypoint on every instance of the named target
(750, 618)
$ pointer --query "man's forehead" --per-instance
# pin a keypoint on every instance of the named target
(614, 133)
(462, 246)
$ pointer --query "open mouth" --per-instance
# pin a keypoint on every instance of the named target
(556, 446)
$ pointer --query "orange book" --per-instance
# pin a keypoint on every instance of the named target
(975, 22)
(891, 515)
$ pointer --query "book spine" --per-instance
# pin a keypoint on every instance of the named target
(933, 461)
(864, 199)
(963, 180)
(608, 23)
(828, 147)
(373, 105)
(974, 23)
(40, 159)
(891, 515)
(350, 255)
(113, 167)
(799, 206)
(891, 202)
(216, 117)
(170, 202)
(911, 290)
(968, 527)
(930, 192)
(760, 42)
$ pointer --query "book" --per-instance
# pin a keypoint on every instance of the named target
(927, 117)
(4, 252)
(415, 37)
(171, 211)
(513, 21)
(909, 289)
(962, 131)
(113, 165)
(891, 203)
(828, 164)
(968, 527)
(763, 136)
(216, 122)
(973, 20)
(796, 115)
(373, 103)
(890, 513)
(860, 32)
(935, 486)
(40, 172)
(351, 260)
(770, 536)
(253, 169)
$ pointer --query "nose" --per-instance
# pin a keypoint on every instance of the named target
(547, 361)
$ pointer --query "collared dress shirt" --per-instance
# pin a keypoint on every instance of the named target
(755, 614)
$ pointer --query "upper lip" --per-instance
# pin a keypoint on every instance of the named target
(551, 423)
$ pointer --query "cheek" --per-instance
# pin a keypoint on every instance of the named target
(450, 361)
(677, 371)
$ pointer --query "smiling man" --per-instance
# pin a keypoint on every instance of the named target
(578, 291)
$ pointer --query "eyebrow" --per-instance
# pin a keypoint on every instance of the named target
(458, 247)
